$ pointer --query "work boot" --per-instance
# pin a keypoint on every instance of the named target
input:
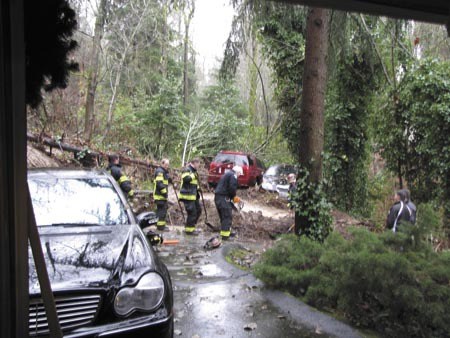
(226, 238)
(192, 233)
(163, 229)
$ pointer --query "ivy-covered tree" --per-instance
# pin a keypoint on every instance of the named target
(353, 80)
(282, 33)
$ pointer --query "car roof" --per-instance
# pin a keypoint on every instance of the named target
(65, 173)
(282, 165)
(233, 152)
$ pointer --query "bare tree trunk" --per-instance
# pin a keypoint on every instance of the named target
(187, 23)
(164, 40)
(313, 99)
(313, 96)
(93, 72)
(253, 78)
(185, 66)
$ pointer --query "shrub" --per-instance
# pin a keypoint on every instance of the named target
(289, 265)
(385, 282)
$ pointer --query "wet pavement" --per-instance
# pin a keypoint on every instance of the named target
(213, 298)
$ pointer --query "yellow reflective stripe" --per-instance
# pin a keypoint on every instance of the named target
(193, 177)
(189, 229)
(225, 233)
(187, 197)
(131, 193)
(122, 179)
(160, 223)
(164, 191)
(159, 198)
(160, 177)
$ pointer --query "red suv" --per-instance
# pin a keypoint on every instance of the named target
(225, 160)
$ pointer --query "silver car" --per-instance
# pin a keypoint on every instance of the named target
(277, 175)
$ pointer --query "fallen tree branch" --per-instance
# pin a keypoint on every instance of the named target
(97, 155)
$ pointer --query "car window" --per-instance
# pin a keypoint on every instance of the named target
(248, 158)
(76, 201)
(224, 158)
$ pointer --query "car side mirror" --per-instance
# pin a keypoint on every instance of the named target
(146, 219)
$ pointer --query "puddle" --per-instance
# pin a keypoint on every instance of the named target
(211, 270)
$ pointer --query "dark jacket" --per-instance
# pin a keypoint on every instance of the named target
(413, 209)
(292, 188)
(189, 184)
(227, 185)
(122, 179)
(162, 180)
(399, 212)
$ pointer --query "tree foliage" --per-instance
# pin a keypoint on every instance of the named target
(420, 118)
(48, 37)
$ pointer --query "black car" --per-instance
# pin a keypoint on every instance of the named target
(105, 275)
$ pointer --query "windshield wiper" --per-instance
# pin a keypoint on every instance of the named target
(73, 224)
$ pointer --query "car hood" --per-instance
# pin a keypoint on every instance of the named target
(80, 257)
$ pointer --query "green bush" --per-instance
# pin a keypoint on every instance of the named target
(385, 282)
(289, 266)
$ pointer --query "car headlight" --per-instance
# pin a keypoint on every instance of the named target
(145, 296)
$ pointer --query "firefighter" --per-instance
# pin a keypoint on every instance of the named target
(160, 193)
(116, 171)
(189, 195)
(225, 193)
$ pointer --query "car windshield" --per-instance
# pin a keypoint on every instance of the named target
(76, 201)
(286, 170)
(272, 171)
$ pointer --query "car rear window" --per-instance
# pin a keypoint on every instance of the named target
(231, 158)
(76, 201)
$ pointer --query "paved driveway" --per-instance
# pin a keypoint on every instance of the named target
(215, 299)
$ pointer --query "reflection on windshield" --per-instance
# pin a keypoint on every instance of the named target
(272, 171)
(58, 201)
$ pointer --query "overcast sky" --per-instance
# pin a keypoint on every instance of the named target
(211, 25)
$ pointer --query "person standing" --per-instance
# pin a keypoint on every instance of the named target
(399, 212)
(411, 206)
(225, 193)
(189, 195)
(292, 180)
(115, 170)
(160, 193)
